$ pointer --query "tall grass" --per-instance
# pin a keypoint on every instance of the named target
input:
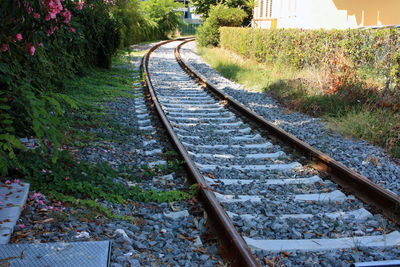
(353, 112)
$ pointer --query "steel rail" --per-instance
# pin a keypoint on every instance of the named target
(241, 255)
(351, 181)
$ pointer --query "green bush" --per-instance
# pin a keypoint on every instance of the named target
(32, 81)
(203, 7)
(303, 48)
(220, 15)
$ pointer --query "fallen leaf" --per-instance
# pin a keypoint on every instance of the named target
(203, 250)
(181, 236)
(211, 176)
(268, 262)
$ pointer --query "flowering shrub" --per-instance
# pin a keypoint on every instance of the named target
(44, 42)
(36, 19)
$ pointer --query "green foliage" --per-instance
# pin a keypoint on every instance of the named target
(83, 180)
(164, 14)
(204, 7)
(304, 48)
(32, 86)
(140, 21)
(395, 70)
(134, 26)
(220, 15)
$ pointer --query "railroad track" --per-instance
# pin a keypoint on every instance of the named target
(271, 207)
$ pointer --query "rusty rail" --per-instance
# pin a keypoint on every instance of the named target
(351, 181)
(241, 254)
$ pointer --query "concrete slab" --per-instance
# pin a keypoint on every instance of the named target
(177, 215)
(379, 241)
(77, 254)
(152, 152)
(236, 198)
(324, 197)
(290, 181)
(146, 128)
(279, 154)
(143, 116)
(248, 146)
(359, 215)
(12, 199)
(277, 167)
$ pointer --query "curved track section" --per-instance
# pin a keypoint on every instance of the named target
(277, 204)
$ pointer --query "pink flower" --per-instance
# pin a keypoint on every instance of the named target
(80, 5)
(50, 32)
(47, 18)
(67, 16)
(35, 195)
(44, 171)
(16, 181)
(71, 29)
(4, 48)
(36, 15)
(40, 202)
(53, 15)
(18, 37)
(22, 226)
(40, 44)
(8, 182)
(32, 50)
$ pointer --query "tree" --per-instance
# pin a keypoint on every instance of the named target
(163, 12)
(220, 15)
(203, 7)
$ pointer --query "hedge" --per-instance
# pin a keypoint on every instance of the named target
(374, 49)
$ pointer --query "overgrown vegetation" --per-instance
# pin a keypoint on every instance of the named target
(79, 182)
(44, 44)
(55, 78)
(220, 15)
(355, 101)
